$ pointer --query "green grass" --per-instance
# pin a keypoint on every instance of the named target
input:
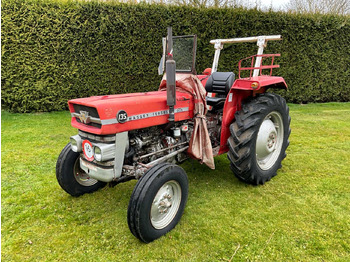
(303, 214)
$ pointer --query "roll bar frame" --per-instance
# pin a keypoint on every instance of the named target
(261, 43)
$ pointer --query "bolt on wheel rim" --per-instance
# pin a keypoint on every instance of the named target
(165, 204)
(81, 177)
(269, 140)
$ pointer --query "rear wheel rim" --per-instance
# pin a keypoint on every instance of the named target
(165, 204)
(269, 140)
(81, 177)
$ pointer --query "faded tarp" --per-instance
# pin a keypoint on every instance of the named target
(200, 145)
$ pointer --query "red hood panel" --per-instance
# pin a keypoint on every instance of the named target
(143, 110)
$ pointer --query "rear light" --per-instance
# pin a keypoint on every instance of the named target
(254, 85)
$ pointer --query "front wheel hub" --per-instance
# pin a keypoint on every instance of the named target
(81, 177)
(165, 204)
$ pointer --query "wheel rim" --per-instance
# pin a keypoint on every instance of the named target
(81, 177)
(165, 204)
(269, 140)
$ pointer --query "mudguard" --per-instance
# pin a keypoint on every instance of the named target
(259, 82)
(240, 90)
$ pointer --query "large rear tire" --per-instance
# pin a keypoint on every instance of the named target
(157, 202)
(71, 177)
(259, 138)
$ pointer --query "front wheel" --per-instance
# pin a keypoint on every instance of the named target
(259, 138)
(71, 177)
(157, 202)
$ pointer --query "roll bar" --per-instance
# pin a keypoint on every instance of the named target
(261, 43)
(246, 39)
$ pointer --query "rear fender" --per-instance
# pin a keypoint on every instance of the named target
(233, 104)
(240, 90)
(259, 82)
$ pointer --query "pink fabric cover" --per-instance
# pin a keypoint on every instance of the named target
(200, 145)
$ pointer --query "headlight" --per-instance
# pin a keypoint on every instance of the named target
(98, 153)
(75, 142)
(104, 152)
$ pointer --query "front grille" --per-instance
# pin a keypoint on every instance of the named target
(91, 110)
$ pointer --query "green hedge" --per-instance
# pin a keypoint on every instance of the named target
(54, 51)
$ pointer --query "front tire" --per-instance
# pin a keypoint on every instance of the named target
(259, 138)
(157, 202)
(71, 177)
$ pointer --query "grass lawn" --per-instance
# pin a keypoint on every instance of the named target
(303, 214)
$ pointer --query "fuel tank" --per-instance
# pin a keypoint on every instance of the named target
(111, 114)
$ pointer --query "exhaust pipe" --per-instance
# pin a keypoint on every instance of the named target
(170, 78)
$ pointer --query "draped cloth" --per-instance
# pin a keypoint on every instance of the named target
(200, 145)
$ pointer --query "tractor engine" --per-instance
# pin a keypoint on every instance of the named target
(149, 144)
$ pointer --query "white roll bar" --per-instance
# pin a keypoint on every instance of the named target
(246, 39)
(260, 40)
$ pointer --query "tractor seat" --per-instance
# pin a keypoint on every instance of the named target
(219, 83)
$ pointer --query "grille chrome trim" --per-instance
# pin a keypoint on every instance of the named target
(91, 119)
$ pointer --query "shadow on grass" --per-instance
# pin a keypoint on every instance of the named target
(201, 174)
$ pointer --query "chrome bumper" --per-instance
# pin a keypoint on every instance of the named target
(96, 172)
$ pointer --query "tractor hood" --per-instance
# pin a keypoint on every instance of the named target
(111, 114)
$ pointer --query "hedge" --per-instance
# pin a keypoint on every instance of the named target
(54, 51)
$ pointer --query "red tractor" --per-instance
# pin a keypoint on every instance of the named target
(142, 135)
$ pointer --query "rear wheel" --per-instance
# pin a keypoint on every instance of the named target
(71, 177)
(157, 202)
(259, 138)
